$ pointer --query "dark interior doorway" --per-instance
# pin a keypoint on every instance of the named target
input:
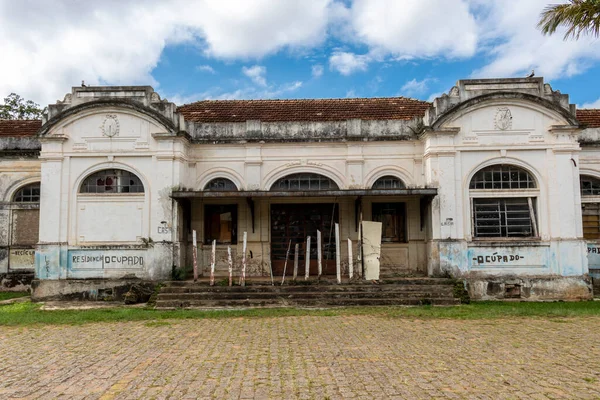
(295, 222)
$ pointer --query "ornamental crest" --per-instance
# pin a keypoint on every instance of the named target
(110, 126)
(503, 120)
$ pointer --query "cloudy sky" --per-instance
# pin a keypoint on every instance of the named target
(230, 49)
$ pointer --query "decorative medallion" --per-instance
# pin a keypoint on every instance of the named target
(110, 126)
(503, 120)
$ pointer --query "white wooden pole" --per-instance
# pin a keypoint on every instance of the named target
(359, 255)
(319, 255)
(296, 250)
(287, 255)
(195, 255)
(243, 282)
(213, 260)
(230, 262)
(350, 261)
(307, 260)
(338, 265)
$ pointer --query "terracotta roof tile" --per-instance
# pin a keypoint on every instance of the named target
(19, 127)
(589, 117)
(380, 108)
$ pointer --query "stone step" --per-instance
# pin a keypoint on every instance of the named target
(252, 303)
(306, 288)
(301, 295)
(313, 281)
(315, 293)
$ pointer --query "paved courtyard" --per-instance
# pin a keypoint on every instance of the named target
(367, 357)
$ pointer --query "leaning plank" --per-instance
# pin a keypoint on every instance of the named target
(287, 255)
(338, 266)
(243, 280)
(350, 261)
(213, 260)
(307, 259)
(296, 251)
(319, 255)
(230, 262)
(195, 255)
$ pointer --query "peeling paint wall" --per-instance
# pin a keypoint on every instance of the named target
(19, 223)
(85, 236)
(538, 137)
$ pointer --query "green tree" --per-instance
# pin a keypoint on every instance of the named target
(16, 107)
(580, 17)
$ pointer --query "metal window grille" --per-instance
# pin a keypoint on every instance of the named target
(590, 186)
(502, 177)
(112, 181)
(388, 182)
(221, 185)
(591, 220)
(304, 181)
(508, 217)
(28, 194)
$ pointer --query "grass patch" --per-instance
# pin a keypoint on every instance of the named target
(27, 313)
(12, 295)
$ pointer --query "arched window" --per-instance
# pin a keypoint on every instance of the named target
(590, 206)
(220, 185)
(504, 199)
(110, 181)
(304, 181)
(502, 177)
(388, 182)
(28, 194)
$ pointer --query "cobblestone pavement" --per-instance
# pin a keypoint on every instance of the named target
(366, 357)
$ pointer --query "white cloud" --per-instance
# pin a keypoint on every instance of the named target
(206, 68)
(594, 104)
(50, 46)
(317, 71)
(257, 74)
(347, 63)
(415, 87)
(217, 93)
(510, 37)
(415, 28)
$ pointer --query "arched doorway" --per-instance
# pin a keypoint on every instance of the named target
(292, 223)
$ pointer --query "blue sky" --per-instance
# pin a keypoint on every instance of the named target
(229, 49)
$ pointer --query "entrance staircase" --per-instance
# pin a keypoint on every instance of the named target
(312, 293)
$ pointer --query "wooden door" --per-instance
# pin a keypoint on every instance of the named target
(294, 222)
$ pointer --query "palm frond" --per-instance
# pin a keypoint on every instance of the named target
(580, 17)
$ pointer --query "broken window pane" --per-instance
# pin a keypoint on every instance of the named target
(590, 186)
(112, 181)
(221, 185)
(28, 194)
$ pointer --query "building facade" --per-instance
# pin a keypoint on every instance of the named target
(496, 183)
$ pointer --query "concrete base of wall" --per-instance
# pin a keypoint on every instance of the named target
(84, 289)
(532, 288)
(16, 281)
